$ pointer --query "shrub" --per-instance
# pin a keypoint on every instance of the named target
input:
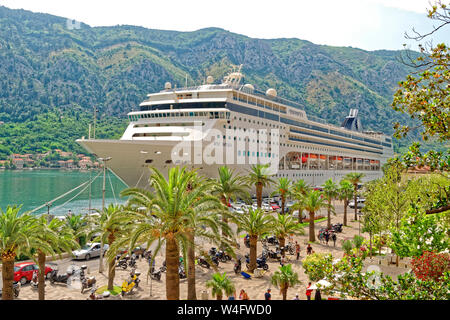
(431, 265)
(347, 246)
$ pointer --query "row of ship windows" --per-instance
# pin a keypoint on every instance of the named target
(211, 115)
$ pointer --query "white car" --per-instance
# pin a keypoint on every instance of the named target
(90, 250)
(295, 214)
(360, 204)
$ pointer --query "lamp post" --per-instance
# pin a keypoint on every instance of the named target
(100, 267)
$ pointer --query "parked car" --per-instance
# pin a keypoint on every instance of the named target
(360, 204)
(275, 207)
(295, 214)
(23, 272)
(138, 251)
(90, 250)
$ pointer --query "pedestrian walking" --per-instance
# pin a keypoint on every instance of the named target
(282, 261)
(327, 237)
(297, 249)
(308, 291)
(296, 297)
(308, 249)
(243, 295)
(318, 296)
(334, 238)
(267, 295)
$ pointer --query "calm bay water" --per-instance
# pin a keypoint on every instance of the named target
(33, 188)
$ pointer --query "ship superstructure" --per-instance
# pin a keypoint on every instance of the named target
(211, 125)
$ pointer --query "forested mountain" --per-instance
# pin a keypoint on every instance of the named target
(47, 65)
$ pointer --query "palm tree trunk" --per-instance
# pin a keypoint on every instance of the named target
(224, 219)
(283, 203)
(300, 215)
(329, 214)
(253, 243)
(345, 211)
(41, 275)
(172, 276)
(259, 188)
(111, 265)
(191, 291)
(282, 243)
(284, 290)
(8, 276)
(312, 235)
(219, 297)
(356, 205)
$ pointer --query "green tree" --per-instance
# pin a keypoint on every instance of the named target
(52, 237)
(283, 226)
(355, 178)
(283, 189)
(284, 278)
(330, 191)
(257, 224)
(161, 216)
(345, 193)
(229, 187)
(299, 191)
(260, 177)
(316, 265)
(17, 236)
(313, 203)
(111, 224)
(220, 284)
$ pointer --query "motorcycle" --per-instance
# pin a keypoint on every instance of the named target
(61, 278)
(337, 227)
(132, 263)
(290, 248)
(274, 254)
(131, 283)
(260, 263)
(16, 289)
(237, 266)
(221, 255)
(122, 263)
(86, 282)
(203, 263)
(270, 240)
(156, 274)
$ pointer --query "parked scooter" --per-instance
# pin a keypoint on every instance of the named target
(290, 248)
(132, 262)
(86, 282)
(270, 240)
(131, 283)
(157, 274)
(16, 289)
(203, 263)
(260, 262)
(122, 263)
(61, 278)
(181, 273)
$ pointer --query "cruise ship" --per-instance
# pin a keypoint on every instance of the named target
(233, 124)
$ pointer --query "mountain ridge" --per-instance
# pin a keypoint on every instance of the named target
(48, 67)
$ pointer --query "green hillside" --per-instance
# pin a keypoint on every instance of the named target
(48, 69)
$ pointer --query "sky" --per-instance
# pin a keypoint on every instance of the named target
(365, 24)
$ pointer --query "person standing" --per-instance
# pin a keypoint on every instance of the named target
(327, 237)
(334, 238)
(297, 249)
(318, 296)
(308, 291)
(267, 295)
(296, 297)
(243, 295)
(308, 249)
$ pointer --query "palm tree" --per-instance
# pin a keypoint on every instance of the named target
(76, 222)
(260, 176)
(355, 178)
(257, 224)
(17, 236)
(53, 237)
(283, 226)
(204, 223)
(283, 189)
(330, 191)
(284, 278)
(111, 224)
(229, 187)
(345, 194)
(299, 191)
(313, 203)
(163, 217)
(219, 284)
